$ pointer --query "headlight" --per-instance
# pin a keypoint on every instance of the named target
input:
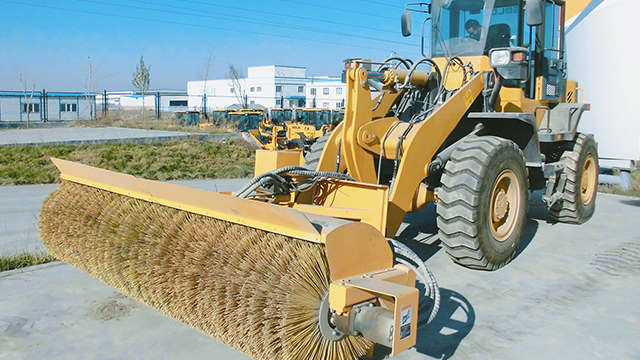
(500, 58)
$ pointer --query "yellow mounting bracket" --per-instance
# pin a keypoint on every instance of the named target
(395, 290)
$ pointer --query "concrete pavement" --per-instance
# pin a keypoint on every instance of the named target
(79, 136)
(570, 293)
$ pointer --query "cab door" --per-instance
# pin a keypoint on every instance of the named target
(550, 66)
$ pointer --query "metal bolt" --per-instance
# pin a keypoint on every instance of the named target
(371, 305)
(336, 333)
(355, 333)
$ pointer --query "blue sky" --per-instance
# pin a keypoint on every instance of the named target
(53, 41)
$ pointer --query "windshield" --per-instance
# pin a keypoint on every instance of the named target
(473, 27)
(279, 116)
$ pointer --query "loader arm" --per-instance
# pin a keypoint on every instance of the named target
(363, 139)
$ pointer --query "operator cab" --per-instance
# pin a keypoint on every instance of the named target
(501, 24)
(456, 23)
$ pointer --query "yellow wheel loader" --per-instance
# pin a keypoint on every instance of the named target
(301, 262)
(245, 119)
(294, 129)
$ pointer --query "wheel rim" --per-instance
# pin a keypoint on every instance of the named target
(505, 205)
(589, 180)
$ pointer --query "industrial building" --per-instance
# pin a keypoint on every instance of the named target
(271, 86)
(43, 106)
(325, 92)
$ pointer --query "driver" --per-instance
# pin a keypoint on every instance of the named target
(473, 28)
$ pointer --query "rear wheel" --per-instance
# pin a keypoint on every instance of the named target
(578, 201)
(312, 158)
(483, 202)
(295, 144)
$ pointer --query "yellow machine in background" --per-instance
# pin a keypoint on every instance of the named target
(245, 119)
(294, 129)
(300, 263)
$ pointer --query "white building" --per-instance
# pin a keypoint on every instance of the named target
(271, 86)
(601, 58)
(325, 92)
(169, 100)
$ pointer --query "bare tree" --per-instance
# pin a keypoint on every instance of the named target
(237, 82)
(204, 76)
(91, 84)
(141, 79)
(28, 107)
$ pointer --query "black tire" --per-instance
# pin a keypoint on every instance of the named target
(312, 159)
(578, 201)
(295, 144)
(477, 221)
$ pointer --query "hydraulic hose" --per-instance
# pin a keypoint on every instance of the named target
(406, 256)
(275, 177)
(494, 94)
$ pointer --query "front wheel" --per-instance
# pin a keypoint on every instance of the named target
(578, 201)
(483, 202)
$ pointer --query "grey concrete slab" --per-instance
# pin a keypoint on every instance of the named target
(19, 214)
(571, 292)
(77, 135)
(55, 311)
(20, 211)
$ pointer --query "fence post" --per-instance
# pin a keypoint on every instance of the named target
(104, 104)
(158, 105)
(45, 105)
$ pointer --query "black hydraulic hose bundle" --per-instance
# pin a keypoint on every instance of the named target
(275, 178)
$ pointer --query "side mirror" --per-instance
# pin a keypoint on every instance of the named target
(535, 12)
(405, 21)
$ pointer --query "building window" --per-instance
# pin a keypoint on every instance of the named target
(325, 105)
(30, 108)
(278, 88)
(68, 107)
(231, 90)
(338, 105)
(313, 91)
(252, 89)
(278, 102)
(325, 91)
(252, 102)
(339, 91)
(178, 103)
(301, 103)
(300, 89)
(259, 89)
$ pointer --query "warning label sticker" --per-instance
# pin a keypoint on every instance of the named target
(405, 321)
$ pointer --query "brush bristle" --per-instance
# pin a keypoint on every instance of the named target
(256, 291)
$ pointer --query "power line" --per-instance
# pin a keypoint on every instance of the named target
(288, 16)
(193, 25)
(241, 19)
(337, 9)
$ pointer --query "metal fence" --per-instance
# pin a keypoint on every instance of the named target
(45, 106)
(157, 104)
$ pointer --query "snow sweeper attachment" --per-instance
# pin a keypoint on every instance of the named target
(268, 280)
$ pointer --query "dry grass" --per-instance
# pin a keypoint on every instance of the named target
(189, 159)
(133, 119)
(22, 260)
